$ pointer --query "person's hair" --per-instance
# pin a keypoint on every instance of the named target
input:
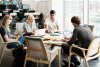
(4, 22)
(76, 19)
(29, 18)
(52, 12)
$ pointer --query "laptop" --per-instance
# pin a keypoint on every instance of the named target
(67, 33)
(40, 32)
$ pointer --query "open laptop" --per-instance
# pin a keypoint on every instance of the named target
(40, 32)
(67, 33)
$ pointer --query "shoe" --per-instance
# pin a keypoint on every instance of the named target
(66, 63)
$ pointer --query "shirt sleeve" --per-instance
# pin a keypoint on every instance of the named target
(74, 36)
(46, 21)
(4, 31)
(24, 26)
(57, 23)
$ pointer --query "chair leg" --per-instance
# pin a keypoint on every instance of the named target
(25, 59)
(69, 60)
(25, 62)
(86, 63)
(2, 52)
(59, 57)
(83, 61)
(49, 64)
(37, 62)
(50, 60)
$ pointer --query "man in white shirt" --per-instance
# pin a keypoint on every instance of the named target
(51, 23)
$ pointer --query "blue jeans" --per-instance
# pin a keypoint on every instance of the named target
(12, 45)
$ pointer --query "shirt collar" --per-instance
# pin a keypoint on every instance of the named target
(50, 19)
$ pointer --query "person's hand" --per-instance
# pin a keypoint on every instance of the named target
(67, 38)
(17, 37)
(53, 30)
(47, 31)
(33, 33)
(63, 40)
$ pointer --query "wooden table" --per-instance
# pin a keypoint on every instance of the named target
(53, 43)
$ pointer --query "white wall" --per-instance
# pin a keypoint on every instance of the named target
(57, 5)
(44, 7)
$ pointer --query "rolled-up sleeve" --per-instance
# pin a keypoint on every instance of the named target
(74, 36)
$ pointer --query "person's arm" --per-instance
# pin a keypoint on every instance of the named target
(4, 33)
(74, 36)
(12, 36)
(68, 38)
(28, 31)
(46, 25)
(57, 27)
(10, 40)
(64, 40)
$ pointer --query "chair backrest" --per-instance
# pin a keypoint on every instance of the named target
(1, 40)
(11, 11)
(0, 43)
(20, 15)
(19, 28)
(94, 42)
(91, 27)
(36, 48)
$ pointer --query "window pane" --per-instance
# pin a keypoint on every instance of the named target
(94, 16)
(72, 8)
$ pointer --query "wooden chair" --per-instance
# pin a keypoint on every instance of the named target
(4, 48)
(91, 27)
(19, 29)
(36, 49)
(93, 51)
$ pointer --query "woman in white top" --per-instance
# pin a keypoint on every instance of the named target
(30, 26)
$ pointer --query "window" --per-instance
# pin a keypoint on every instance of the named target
(72, 8)
(94, 15)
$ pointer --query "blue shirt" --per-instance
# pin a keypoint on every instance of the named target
(30, 29)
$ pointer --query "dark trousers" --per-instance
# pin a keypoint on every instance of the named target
(66, 49)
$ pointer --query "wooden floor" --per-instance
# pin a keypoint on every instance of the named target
(8, 60)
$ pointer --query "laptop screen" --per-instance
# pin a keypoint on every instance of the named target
(40, 32)
(67, 33)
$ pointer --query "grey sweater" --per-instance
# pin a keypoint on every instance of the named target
(84, 35)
